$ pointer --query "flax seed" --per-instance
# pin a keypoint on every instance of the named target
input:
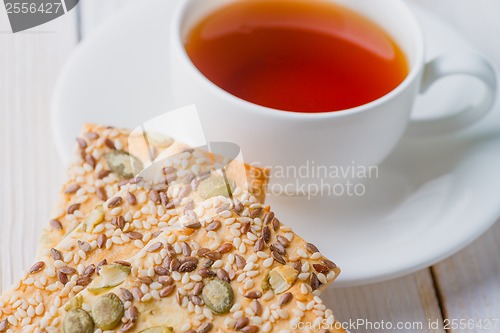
(161, 271)
(250, 329)
(63, 278)
(126, 295)
(214, 255)
(154, 196)
(254, 294)
(225, 248)
(315, 283)
(56, 224)
(259, 245)
(256, 307)
(240, 261)
(83, 281)
(321, 268)
(311, 248)
(238, 207)
(167, 291)
(268, 218)
(188, 266)
(89, 270)
(241, 322)
(165, 280)
(278, 257)
(130, 197)
(145, 279)
(56, 255)
(119, 222)
(103, 174)
(198, 288)
(222, 274)
(205, 272)
(67, 270)
(108, 143)
(134, 235)
(196, 300)
(285, 298)
(137, 293)
(84, 246)
(122, 262)
(91, 135)
(115, 202)
(81, 143)
(255, 212)
(278, 248)
(72, 189)
(174, 265)
(266, 234)
(297, 265)
(275, 224)
(101, 241)
(73, 208)
(37, 267)
(205, 328)
(283, 241)
(186, 249)
(101, 193)
(330, 264)
(245, 227)
(193, 225)
(90, 160)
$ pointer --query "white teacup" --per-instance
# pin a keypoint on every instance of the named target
(364, 135)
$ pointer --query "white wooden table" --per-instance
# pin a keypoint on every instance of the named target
(465, 286)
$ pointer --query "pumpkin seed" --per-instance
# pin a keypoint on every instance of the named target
(78, 321)
(159, 140)
(109, 276)
(107, 311)
(281, 278)
(213, 186)
(123, 164)
(218, 296)
(158, 329)
(95, 218)
(264, 284)
(74, 303)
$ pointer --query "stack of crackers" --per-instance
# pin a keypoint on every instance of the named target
(177, 244)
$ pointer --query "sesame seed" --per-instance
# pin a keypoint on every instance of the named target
(116, 211)
(268, 262)
(303, 276)
(268, 295)
(301, 253)
(303, 289)
(248, 284)
(316, 255)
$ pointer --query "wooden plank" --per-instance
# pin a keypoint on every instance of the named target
(469, 282)
(29, 167)
(410, 300)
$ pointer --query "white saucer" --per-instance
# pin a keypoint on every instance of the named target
(433, 196)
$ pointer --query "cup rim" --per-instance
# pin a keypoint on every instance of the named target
(179, 14)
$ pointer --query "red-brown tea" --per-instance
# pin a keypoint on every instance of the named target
(296, 55)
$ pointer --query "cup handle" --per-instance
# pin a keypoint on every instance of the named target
(447, 65)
